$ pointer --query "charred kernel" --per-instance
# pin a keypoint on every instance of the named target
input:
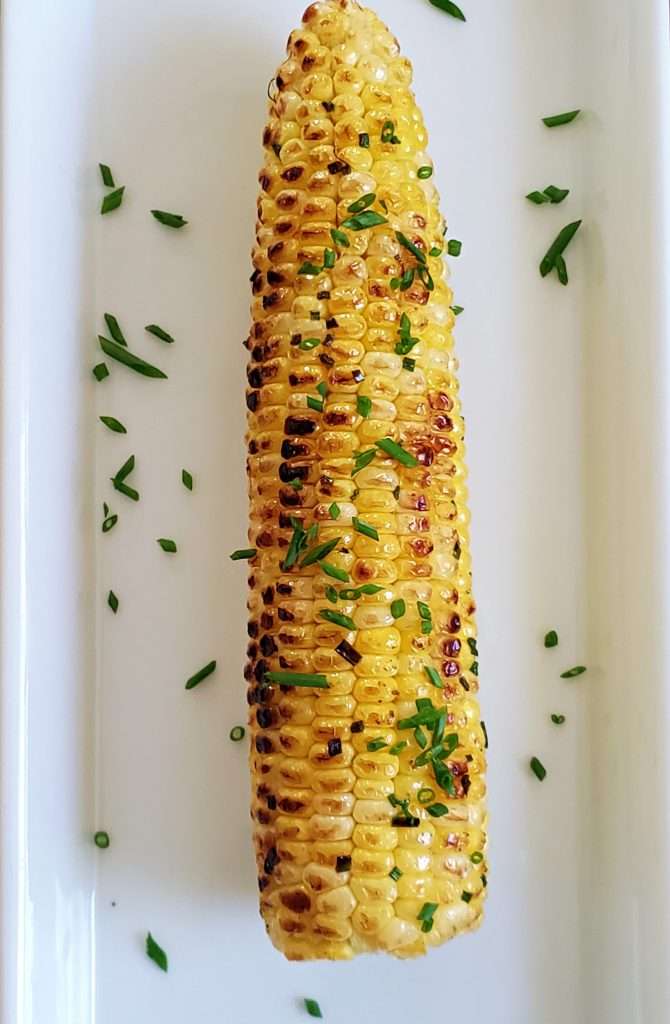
(271, 802)
(268, 646)
(345, 650)
(334, 747)
(357, 726)
(299, 425)
(343, 863)
(264, 717)
(264, 745)
(271, 860)
(268, 595)
(331, 322)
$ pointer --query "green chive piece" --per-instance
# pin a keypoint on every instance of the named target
(112, 200)
(437, 810)
(362, 203)
(187, 479)
(395, 283)
(113, 424)
(101, 840)
(457, 310)
(571, 673)
(561, 270)
(322, 388)
(307, 344)
(538, 768)
(314, 315)
(109, 523)
(310, 270)
(296, 484)
(375, 745)
(409, 364)
(170, 220)
(237, 733)
(337, 618)
(363, 459)
(395, 873)
(556, 195)
(106, 175)
(158, 332)
(243, 554)
(125, 471)
(334, 572)
(398, 748)
(133, 362)
(454, 247)
(558, 719)
(425, 795)
(557, 119)
(414, 249)
(398, 608)
(113, 601)
(115, 330)
(331, 595)
(315, 403)
(433, 676)
(155, 953)
(316, 680)
(449, 8)
(319, 552)
(558, 247)
(313, 1008)
(200, 675)
(335, 511)
(100, 371)
(477, 857)
(407, 279)
(427, 911)
(329, 258)
(364, 140)
(364, 528)
(424, 172)
(420, 738)
(125, 489)
(363, 406)
(551, 638)
(397, 452)
(362, 221)
(388, 133)
(339, 238)
(466, 896)
(167, 545)
(538, 198)
(424, 611)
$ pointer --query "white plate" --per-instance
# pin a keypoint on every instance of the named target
(565, 393)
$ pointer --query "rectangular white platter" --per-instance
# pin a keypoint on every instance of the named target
(566, 396)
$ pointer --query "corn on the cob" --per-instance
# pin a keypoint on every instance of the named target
(367, 784)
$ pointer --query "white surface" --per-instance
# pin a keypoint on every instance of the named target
(565, 397)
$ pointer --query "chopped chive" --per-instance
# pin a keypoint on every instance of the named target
(367, 219)
(472, 644)
(433, 676)
(101, 840)
(322, 388)
(414, 249)
(106, 175)
(362, 204)
(578, 670)
(558, 247)
(538, 198)
(364, 528)
(167, 545)
(398, 748)
(339, 238)
(109, 523)
(309, 270)
(125, 471)
(388, 133)
(125, 489)
(557, 119)
(115, 330)
(298, 541)
(364, 140)
(155, 953)
(298, 679)
(419, 738)
(123, 355)
(170, 220)
(454, 247)
(556, 195)
(187, 479)
(313, 1008)
(331, 595)
(561, 269)
(314, 315)
(551, 638)
(315, 403)
(424, 172)
(296, 484)
(435, 252)
(100, 371)
(437, 810)
(486, 735)
(112, 200)
(395, 283)
(363, 405)
(337, 619)
(558, 719)
(377, 744)
(243, 554)
(362, 459)
(449, 8)
(200, 675)
(398, 608)
(329, 258)
(426, 278)
(466, 896)
(309, 343)
(319, 552)
(395, 873)
(158, 332)
(113, 424)
(424, 611)
(406, 281)
(335, 511)
(334, 572)
(425, 795)
(477, 857)
(538, 768)
(427, 911)
(397, 452)
(237, 733)
(113, 601)
(457, 310)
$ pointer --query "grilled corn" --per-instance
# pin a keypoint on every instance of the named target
(367, 752)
